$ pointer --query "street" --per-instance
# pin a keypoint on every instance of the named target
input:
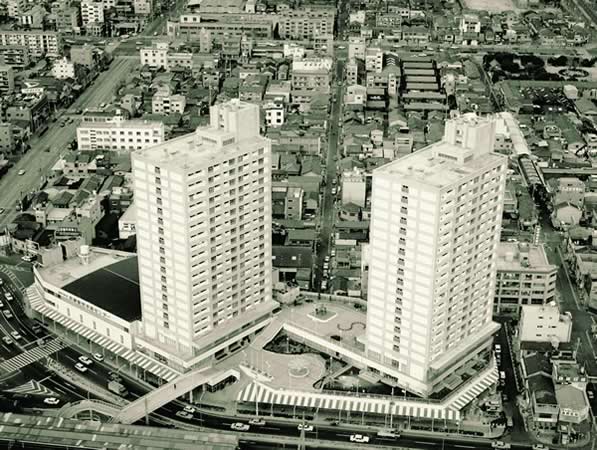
(37, 162)
(327, 207)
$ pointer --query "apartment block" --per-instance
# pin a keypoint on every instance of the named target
(68, 18)
(16, 56)
(63, 69)
(142, 7)
(374, 59)
(310, 78)
(203, 205)
(166, 103)
(190, 28)
(7, 139)
(524, 277)
(121, 136)
(307, 22)
(435, 228)
(39, 43)
(92, 12)
(7, 79)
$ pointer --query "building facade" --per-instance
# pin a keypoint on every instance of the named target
(307, 23)
(544, 323)
(203, 226)
(524, 277)
(126, 135)
(63, 69)
(7, 79)
(435, 227)
(39, 43)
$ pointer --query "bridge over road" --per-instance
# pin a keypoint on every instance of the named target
(166, 393)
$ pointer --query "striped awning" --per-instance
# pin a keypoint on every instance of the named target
(260, 393)
(135, 358)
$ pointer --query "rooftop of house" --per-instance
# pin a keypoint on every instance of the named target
(570, 397)
(543, 389)
(518, 256)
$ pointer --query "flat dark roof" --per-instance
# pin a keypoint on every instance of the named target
(114, 288)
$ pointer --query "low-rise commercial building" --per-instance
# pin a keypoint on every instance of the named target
(524, 277)
(544, 323)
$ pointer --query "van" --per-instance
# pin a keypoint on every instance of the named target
(388, 433)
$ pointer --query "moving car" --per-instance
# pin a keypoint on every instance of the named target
(85, 360)
(189, 409)
(37, 329)
(2, 210)
(21, 172)
(360, 438)
(184, 415)
(540, 447)
(257, 422)
(239, 426)
(51, 401)
(81, 367)
(15, 335)
(8, 296)
(305, 427)
(7, 314)
(7, 340)
(388, 433)
(500, 444)
(98, 357)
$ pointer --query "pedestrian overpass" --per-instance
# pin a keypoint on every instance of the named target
(143, 406)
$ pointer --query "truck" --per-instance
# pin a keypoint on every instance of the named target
(117, 388)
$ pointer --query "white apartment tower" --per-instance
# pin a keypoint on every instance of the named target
(203, 204)
(435, 229)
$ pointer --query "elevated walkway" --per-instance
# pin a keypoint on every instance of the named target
(72, 409)
(267, 334)
(168, 392)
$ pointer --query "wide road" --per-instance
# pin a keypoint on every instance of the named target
(36, 162)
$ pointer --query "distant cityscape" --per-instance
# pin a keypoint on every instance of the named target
(251, 224)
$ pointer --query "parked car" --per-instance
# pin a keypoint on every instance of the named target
(500, 444)
(51, 401)
(7, 340)
(8, 296)
(190, 409)
(239, 426)
(15, 335)
(2, 210)
(305, 427)
(98, 357)
(37, 329)
(81, 367)
(21, 172)
(85, 360)
(540, 447)
(7, 314)
(360, 438)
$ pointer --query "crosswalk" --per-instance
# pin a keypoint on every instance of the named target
(29, 357)
(9, 272)
(31, 387)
